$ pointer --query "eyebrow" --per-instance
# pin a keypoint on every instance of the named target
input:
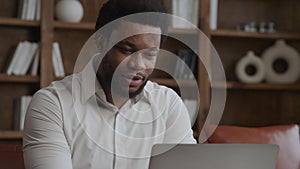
(127, 43)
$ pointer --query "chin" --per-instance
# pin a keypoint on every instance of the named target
(134, 92)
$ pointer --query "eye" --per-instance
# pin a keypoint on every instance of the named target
(125, 50)
(150, 55)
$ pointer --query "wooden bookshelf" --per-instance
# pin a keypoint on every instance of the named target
(243, 34)
(11, 134)
(19, 79)
(4, 21)
(258, 86)
(75, 26)
(258, 104)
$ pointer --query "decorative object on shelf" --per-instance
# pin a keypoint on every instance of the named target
(251, 27)
(261, 27)
(271, 27)
(282, 63)
(213, 14)
(69, 10)
(250, 68)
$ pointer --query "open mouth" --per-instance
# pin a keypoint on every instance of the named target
(135, 80)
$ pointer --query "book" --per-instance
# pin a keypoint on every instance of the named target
(183, 64)
(185, 55)
(28, 58)
(21, 58)
(213, 14)
(38, 10)
(35, 63)
(186, 9)
(193, 67)
(24, 57)
(57, 61)
(59, 58)
(31, 8)
(15, 58)
(20, 8)
(20, 109)
(24, 9)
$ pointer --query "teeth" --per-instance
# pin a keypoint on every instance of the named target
(137, 78)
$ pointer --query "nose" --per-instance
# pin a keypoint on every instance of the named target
(137, 62)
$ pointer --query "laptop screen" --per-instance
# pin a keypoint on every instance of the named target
(213, 156)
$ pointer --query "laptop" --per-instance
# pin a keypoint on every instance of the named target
(214, 156)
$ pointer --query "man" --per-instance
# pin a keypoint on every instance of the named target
(109, 115)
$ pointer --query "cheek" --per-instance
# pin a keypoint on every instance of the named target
(113, 60)
(150, 66)
(148, 71)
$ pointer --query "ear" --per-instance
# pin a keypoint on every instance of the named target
(101, 41)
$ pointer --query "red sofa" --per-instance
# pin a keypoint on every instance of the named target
(11, 157)
(286, 136)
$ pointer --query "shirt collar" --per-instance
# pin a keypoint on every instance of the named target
(89, 82)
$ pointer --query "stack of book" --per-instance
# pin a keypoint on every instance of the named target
(186, 65)
(25, 60)
(26, 54)
(187, 9)
(29, 9)
(21, 106)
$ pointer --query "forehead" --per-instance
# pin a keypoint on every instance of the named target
(127, 29)
(131, 28)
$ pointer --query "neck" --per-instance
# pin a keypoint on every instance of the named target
(112, 97)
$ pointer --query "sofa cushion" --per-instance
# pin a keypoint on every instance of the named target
(286, 136)
(11, 156)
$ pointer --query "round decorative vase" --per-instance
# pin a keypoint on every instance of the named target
(250, 68)
(282, 63)
(69, 10)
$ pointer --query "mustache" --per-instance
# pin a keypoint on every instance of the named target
(136, 75)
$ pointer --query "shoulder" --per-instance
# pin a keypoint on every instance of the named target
(54, 93)
(156, 89)
(161, 95)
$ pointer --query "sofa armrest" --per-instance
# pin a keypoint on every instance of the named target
(286, 136)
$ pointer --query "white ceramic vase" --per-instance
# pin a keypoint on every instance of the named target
(250, 60)
(69, 10)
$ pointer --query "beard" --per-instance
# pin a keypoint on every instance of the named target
(116, 87)
(139, 90)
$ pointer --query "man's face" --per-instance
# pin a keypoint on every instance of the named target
(129, 63)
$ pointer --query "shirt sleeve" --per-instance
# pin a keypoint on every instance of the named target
(178, 126)
(44, 142)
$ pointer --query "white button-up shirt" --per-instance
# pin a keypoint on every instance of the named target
(71, 125)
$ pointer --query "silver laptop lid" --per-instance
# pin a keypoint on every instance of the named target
(214, 156)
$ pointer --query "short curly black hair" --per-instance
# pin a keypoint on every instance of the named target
(115, 9)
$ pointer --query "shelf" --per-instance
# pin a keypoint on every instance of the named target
(19, 79)
(243, 34)
(11, 134)
(75, 26)
(259, 86)
(91, 26)
(18, 22)
(172, 83)
(185, 31)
